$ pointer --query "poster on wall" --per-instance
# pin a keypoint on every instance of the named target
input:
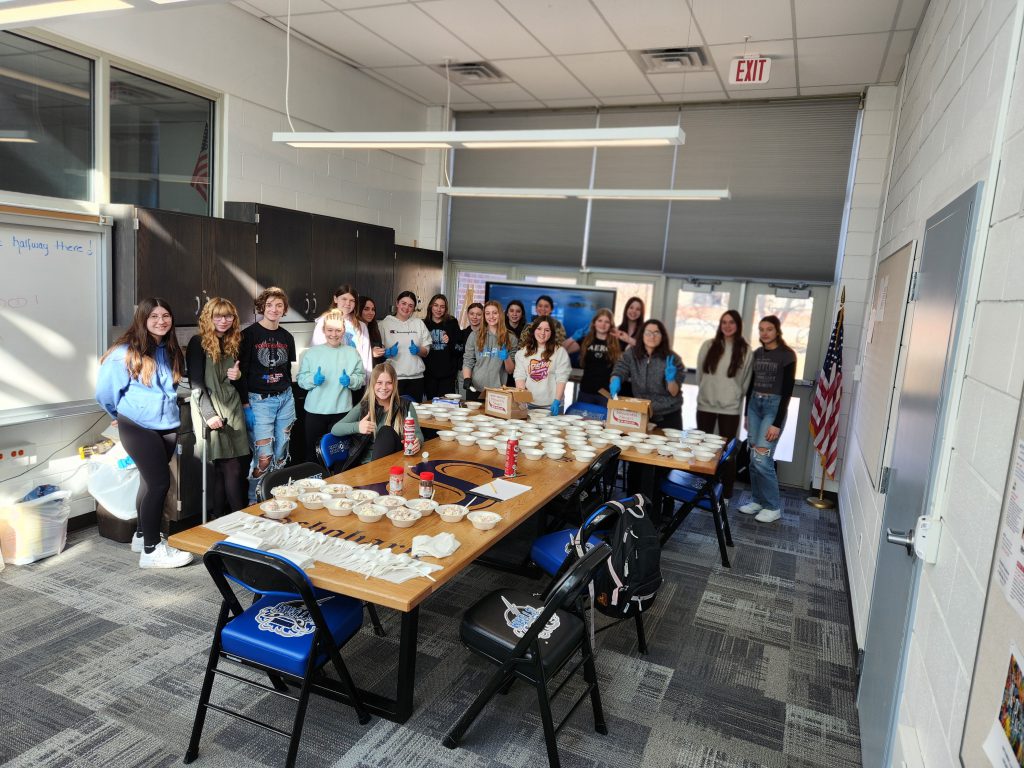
(1010, 552)
(1004, 745)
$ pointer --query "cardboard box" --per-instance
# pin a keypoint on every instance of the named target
(507, 402)
(630, 414)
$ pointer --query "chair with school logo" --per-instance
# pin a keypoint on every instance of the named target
(535, 641)
(290, 633)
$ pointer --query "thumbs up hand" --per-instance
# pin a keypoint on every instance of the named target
(345, 380)
(234, 372)
(392, 351)
(503, 354)
(349, 339)
(318, 378)
(413, 349)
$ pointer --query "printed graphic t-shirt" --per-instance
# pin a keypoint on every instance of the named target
(597, 368)
(265, 360)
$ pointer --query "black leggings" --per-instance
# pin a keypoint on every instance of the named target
(317, 425)
(151, 450)
(728, 426)
(230, 484)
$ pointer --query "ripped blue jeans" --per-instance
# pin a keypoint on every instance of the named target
(764, 484)
(274, 416)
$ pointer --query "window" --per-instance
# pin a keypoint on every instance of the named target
(46, 135)
(161, 145)
(697, 315)
(475, 282)
(624, 292)
(795, 315)
(550, 280)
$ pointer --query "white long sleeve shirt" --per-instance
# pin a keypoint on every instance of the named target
(407, 365)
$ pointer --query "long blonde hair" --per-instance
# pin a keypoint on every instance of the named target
(503, 334)
(394, 413)
(614, 350)
(232, 339)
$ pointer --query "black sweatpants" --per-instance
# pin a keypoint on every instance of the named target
(151, 450)
(412, 388)
(728, 426)
(317, 425)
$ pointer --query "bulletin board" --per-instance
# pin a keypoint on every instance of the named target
(55, 312)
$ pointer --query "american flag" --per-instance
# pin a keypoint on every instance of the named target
(828, 393)
(201, 173)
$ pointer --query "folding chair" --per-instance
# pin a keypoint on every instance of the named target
(700, 492)
(535, 644)
(286, 475)
(340, 453)
(290, 633)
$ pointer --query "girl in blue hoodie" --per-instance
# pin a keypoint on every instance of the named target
(137, 386)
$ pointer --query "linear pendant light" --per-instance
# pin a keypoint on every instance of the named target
(57, 9)
(554, 193)
(640, 136)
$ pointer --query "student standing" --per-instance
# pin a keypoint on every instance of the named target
(137, 386)
(771, 386)
(346, 301)
(599, 351)
(406, 342)
(543, 308)
(265, 387)
(380, 417)
(368, 314)
(542, 366)
(630, 330)
(330, 372)
(490, 352)
(213, 368)
(443, 361)
(656, 373)
(515, 321)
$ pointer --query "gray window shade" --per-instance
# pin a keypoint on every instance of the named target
(786, 164)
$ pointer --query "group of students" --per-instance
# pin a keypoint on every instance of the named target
(363, 377)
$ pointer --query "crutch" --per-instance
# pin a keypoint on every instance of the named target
(206, 442)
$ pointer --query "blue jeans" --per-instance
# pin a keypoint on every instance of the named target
(764, 484)
(274, 416)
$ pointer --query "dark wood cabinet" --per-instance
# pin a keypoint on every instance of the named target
(229, 264)
(419, 270)
(375, 266)
(333, 258)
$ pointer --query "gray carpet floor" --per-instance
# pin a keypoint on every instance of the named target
(749, 666)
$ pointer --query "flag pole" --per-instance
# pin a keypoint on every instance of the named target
(819, 501)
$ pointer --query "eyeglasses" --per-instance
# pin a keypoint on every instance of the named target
(652, 333)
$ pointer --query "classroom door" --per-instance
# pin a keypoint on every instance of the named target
(803, 315)
(923, 399)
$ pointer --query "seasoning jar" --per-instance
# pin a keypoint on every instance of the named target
(426, 485)
(396, 481)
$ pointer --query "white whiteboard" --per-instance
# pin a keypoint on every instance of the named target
(54, 315)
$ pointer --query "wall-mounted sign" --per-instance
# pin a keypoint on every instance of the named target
(749, 69)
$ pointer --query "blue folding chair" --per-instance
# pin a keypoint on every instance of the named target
(290, 632)
(695, 491)
(334, 451)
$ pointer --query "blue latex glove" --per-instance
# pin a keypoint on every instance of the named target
(503, 354)
(670, 369)
(556, 407)
(345, 380)
(250, 419)
(392, 351)
(413, 349)
(615, 386)
(349, 339)
(318, 378)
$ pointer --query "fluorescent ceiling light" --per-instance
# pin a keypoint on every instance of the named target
(56, 9)
(16, 137)
(644, 136)
(588, 194)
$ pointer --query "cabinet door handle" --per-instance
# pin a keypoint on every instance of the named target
(307, 304)
(197, 306)
(314, 303)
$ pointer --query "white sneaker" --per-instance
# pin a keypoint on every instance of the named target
(750, 508)
(768, 515)
(164, 556)
(139, 542)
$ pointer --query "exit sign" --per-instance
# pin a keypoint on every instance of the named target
(746, 70)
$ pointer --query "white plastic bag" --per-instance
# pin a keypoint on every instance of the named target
(32, 530)
(114, 488)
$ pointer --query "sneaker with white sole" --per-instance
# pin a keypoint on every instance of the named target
(164, 556)
(768, 515)
(139, 542)
(750, 508)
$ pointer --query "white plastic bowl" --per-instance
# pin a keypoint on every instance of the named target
(555, 453)
(403, 517)
(289, 492)
(666, 450)
(584, 456)
(473, 405)
(703, 456)
(314, 500)
(370, 513)
(311, 483)
(423, 506)
(463, 429)
(336, 489)
(447, 435)
(363, 494)
(466, 439)
(484, 520)
(599, 442)
(643, 448)
(278, 508)
(452, 513)
(532, 454)
(390, 502)
(341, 507)
(486, 444)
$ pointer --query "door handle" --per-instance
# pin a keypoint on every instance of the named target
(314, 303)
(307, 304)
(197, 306)
(903, 538)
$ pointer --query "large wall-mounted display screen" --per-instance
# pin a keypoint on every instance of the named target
(574, 306)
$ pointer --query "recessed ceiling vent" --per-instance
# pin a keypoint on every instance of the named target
(471, 73)
(655, 61)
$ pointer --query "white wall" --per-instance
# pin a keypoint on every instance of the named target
(946, 139)
(221, 50)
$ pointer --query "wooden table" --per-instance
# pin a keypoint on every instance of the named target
(457, 469)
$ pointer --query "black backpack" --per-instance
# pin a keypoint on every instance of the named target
(629, 580)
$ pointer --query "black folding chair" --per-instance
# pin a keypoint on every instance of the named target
(535, 644)
(290, 633)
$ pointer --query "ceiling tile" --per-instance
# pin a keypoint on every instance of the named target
(675, 85)
(486, 26)
(628, 101)
(568, 26)
(543, 77)
(608, 74)
(340, 33)
(415, 33)
(730, 22)
(783, 72)
(764, 93)
(426, 82)
(910, 14)
(896, 57)
(697, 96)
(498, 92)
(570, 103)
(830, 90)
(846, 60)
(280, 7)
(821, 18)
(345, 5)
(650, 23)
(524, 104)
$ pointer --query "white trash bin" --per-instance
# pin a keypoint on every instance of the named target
(32, 530)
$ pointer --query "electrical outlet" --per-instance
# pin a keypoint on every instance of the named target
(21, 453)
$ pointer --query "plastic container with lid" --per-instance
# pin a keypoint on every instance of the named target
(426, 485)
(396, 481)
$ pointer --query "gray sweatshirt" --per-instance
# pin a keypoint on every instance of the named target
(487, 368)
(647, 374)
(718, 393)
